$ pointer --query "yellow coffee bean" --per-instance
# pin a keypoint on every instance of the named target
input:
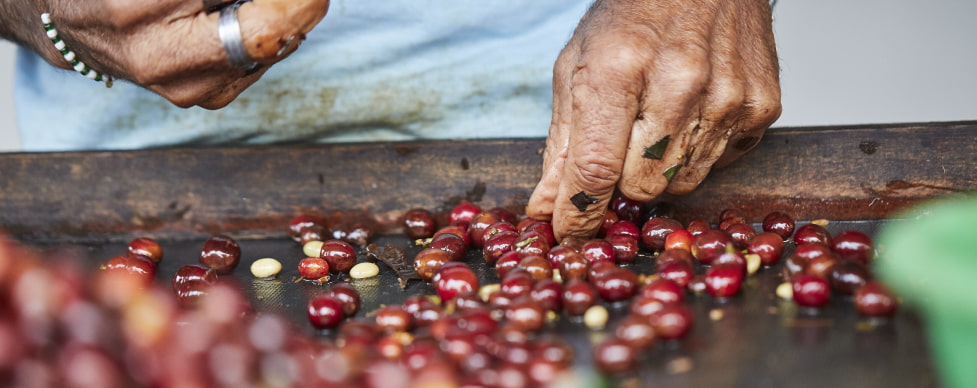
(364, 270)
(266, 267)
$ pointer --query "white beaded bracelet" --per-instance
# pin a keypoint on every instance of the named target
(77, 64)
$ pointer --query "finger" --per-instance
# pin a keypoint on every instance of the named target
(604, 92)
(663, 131)
(554, 156)
(270, 30)
(232, 90)
(762, 102)
(270, 26)
(721, 109)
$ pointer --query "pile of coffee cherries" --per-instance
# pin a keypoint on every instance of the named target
(121, 329)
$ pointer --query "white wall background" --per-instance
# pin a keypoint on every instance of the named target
(9, 141)
(843, 62)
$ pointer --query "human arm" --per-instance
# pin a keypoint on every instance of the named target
(703, 75)
(170, 47)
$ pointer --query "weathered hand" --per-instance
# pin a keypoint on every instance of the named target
(647, 97)
(171, 46)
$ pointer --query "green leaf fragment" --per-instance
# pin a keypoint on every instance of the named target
(657, 151)
(526, 242)
(670, 172)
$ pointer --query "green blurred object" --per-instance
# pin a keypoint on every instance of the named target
(929, 257)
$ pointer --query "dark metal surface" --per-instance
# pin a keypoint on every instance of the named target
(182, 196)
(759, 341)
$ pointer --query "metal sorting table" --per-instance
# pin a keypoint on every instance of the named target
(854, 176)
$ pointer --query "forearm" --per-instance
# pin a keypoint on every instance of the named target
(21, 23)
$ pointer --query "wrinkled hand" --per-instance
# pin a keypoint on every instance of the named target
(647, 97)
(171, 46)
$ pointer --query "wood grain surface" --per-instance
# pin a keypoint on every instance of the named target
(841, 173)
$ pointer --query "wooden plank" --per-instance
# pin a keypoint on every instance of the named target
(845, 173)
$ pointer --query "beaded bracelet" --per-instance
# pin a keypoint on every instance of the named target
(77, 64)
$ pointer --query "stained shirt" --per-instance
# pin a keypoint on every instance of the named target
(370, 71)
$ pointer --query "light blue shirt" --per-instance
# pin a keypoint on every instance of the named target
(392, 70)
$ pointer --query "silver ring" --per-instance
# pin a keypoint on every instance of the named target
(229, 30)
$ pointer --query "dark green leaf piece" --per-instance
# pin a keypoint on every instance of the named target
(657, 151)
(670, 172)
(581, 200)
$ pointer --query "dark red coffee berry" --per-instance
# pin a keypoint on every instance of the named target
(532, 243)
(598, 250)
(847, 276)
(624, 227)
(822, 266)
(625, 247)
(452, 244)
(710, 244)
(340, 255)
(537, 266)
(610, 218)
(145, 246)
(393, 318)
(768, 245)
(810, 291)
(299, 224)
(193, 273)
(664, 290)
(574, 267)
(670, 255)
(853, 245)
(679, 239)
(617, 284)
(428, 261)
(465, 211)
(549, 294)
(724, 280)
(626, 209)
(347, 296)
(673, 321)
(525, 314)
(812, 234)
(655, 230)
(313, 268)
(696, 227)
(578, 296)
(680, 272)
(454, 278)
(457, 230)
(810, 251)
(221, 253)
(325, 311)
(137, 266)
(479, 223)
(419, 223)
(741, 234)
(615, 356)
(498, 245)
(875, 300)
(496, 228)
(516, 283)
(780, 224)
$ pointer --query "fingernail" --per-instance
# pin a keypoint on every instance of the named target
(287, 47)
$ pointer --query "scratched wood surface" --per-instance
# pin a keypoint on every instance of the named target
(843, 173)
